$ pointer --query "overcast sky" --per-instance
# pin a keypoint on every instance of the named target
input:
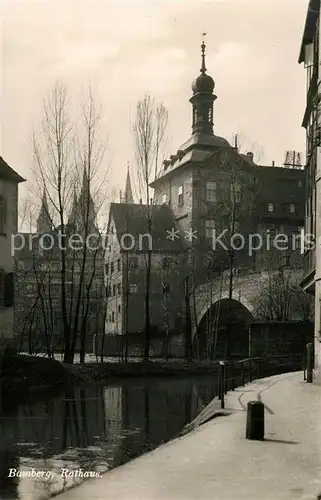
(127, 48)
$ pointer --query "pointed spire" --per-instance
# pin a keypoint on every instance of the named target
(203, 47)
(128, 197)
(44, 222)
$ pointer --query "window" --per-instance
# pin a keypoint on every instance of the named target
(211, 191)
(113, 317)
(236, 193)
(164, 199)
(111, 268)
(209, 228)
(119, 308)
(118, 264)
(3, 216)
(114, 289)
(270, 207)
(133, 288)
(118, 288)
(180, 195)
(292, 208)
(106, 268)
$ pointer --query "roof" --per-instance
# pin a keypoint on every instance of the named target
(8, 174)
(132, 219)
(310, 26)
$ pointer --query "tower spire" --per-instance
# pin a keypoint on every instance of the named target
(128, 196)
(44, 222)
(203, 47)
(203, 99)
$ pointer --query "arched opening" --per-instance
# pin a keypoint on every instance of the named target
(223, 331)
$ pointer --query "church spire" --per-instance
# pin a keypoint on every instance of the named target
(44, 222)
(203, 99)
(128, 195)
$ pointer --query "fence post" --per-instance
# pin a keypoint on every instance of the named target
(222, 384)
(232, 376)
(310, 363)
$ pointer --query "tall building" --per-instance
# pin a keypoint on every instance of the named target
(130, 239)
(310, 56)
(210, 185)
(207, 185)
(9, 180)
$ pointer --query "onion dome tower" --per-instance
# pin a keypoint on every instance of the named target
(202, 100)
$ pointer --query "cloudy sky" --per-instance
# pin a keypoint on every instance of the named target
(125, 48)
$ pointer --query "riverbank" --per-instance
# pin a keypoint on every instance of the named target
(216, 461)
(28, 378)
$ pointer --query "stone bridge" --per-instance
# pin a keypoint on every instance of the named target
(246, 290)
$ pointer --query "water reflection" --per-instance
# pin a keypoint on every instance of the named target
(92, 429)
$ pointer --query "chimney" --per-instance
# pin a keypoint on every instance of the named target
(273, 163)
(151, 201)
(140, 201)
(250, 155)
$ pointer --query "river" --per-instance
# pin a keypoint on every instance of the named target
(94, 428)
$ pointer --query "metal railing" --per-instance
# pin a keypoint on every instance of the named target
(234, 374)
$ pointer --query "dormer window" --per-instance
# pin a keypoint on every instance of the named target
(180, 195)
(3, 216)
(270, 207)
(292, 209)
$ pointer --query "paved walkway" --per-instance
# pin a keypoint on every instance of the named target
(216, 462)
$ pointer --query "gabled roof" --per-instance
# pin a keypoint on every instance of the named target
(132, 219)
(8, 174)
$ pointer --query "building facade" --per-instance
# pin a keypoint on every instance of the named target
(207, 187)
(310, 56)
(9, 180)
(131, 242)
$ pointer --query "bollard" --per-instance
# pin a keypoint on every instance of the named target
(255, 421)
(309, 363)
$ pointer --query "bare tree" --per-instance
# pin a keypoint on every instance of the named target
(65, 160)
(149, 133)
(233, 213)
(282, 298)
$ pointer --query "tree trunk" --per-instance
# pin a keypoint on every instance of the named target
(147, 308)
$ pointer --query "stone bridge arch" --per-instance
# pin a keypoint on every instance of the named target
(245, 291)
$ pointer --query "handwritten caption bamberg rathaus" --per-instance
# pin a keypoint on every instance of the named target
(65, 473)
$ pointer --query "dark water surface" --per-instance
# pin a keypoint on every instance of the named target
(94, 428)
